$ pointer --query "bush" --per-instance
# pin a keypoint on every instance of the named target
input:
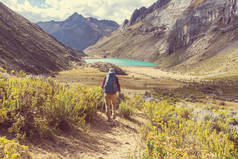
(34, 106)
(125, 110)
(172, 133)
(10, 149)
(137, 102)
(129, 105)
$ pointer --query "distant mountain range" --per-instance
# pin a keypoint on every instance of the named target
(188, 35)
(79, 32)
(25, 46)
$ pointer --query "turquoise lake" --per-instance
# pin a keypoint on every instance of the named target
(121, 62)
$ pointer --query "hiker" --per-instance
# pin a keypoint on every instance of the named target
(111, 86)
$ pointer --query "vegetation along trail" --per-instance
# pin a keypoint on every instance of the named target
(67, 120)
(187, 91)
(183, 105)
(99, 140)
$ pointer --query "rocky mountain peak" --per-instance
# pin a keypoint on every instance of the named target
(140, 14)
(125, 23)
(75, 17)
(79, 32)
(75, 14)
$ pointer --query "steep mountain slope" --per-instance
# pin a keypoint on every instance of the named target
(174, 34)
(25, 46)
(79, 32)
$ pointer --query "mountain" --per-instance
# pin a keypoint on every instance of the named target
(181, 35)
(25, 46)
(79, 32)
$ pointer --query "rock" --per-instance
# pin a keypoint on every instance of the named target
(222, 103)
(193, 98)
(208, 90)
(165, 93)
(220, 92)
(104, 67)
(159, 34)
(205, 115)
(125, 23)
(150, 99)
(147, 94)
(137, 15)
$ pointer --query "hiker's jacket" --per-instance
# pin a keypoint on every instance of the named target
(116, 82)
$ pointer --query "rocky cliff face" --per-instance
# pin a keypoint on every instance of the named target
(139, 14)
(203, 16)
(174, 33)
(78, 32)
(25, 46)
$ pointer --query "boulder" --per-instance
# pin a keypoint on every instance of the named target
(104, 67)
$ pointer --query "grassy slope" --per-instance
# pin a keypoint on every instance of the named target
(224, 63)
(102, 139)
(217, 59)
(125, 43)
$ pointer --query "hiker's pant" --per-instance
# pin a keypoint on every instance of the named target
(111, 104)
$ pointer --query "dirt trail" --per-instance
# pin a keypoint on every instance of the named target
(102, 140)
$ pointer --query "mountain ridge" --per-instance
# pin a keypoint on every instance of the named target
(25, 46)
(77, 31)
(173, 33)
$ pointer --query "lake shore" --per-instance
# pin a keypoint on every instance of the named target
(121, 62)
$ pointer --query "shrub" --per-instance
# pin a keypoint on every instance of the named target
(10, 149)
(172, 133)
(129, 105)
(136, 102)
(125, 110)
(33, 106)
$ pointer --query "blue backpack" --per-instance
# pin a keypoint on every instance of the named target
(110, 84)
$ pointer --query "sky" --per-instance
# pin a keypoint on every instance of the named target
(46, 10)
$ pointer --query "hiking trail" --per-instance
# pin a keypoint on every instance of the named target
(101, 139)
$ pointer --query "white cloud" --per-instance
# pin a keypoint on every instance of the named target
(116, 10)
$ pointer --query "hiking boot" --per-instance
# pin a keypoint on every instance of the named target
(109, 119)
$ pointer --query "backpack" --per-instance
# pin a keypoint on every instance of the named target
(110, 84)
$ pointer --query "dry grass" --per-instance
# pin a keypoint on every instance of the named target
(140, 79)
(213, 64)
(80, 74)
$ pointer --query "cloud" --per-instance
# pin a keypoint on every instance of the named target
(46, 10)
